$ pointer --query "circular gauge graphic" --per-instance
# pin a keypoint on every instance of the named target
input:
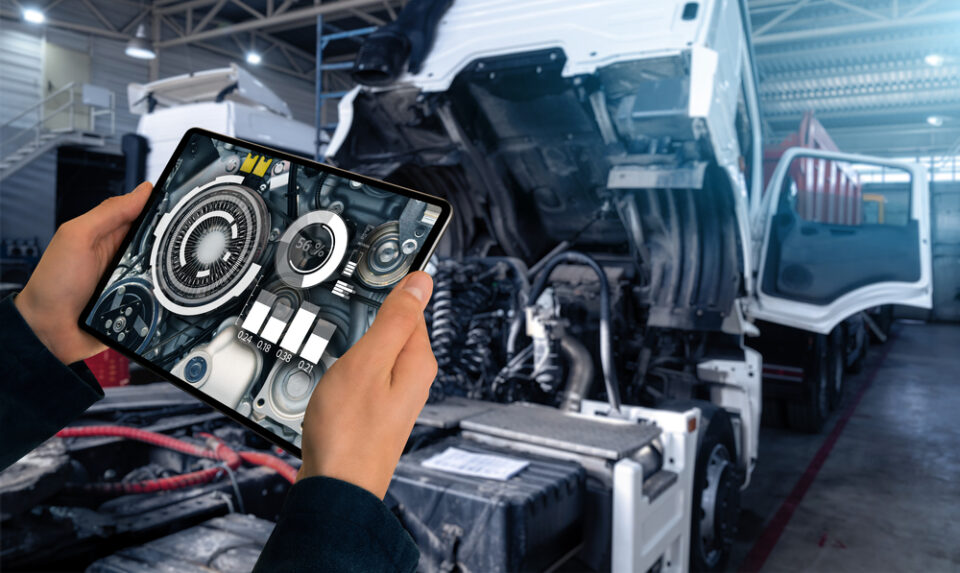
(128, 313)
(386, 260)
(207, 246)
(311, 249)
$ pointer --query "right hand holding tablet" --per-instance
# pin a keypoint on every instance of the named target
(363, 409)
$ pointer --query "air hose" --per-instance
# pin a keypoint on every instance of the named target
(217, 451)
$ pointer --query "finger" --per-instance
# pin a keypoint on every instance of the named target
(396, 320)
(116, 211)
(416, 366)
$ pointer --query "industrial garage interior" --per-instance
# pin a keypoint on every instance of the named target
(697, 307)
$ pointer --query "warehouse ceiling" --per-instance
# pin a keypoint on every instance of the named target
(882, 75)
(877, 73)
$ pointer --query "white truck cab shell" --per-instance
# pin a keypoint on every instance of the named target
(226, 100)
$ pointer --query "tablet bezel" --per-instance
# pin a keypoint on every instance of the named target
(419, 262)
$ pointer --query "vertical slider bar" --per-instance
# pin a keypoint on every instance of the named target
(318, 340)
(299, 327)
(258, 312)
(277, 322)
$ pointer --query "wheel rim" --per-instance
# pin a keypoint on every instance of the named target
(719, 505)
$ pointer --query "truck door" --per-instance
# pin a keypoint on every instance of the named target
(823, 256)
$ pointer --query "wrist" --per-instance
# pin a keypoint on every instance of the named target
(45, 332)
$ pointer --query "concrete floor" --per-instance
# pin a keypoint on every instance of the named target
(879, 489)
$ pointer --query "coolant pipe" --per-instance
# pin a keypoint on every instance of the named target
(606, 337)
(580, 377)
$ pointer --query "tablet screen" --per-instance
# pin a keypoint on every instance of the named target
(252, 271)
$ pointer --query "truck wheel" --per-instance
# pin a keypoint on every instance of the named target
(717, 478)
(716, 492)
(835, 367)
(809, 412)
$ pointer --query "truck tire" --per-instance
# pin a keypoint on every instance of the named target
(809, 412)
(835, 366)
(856, 366)
(716, 487)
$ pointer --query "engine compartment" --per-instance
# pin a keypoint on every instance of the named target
(528, 158)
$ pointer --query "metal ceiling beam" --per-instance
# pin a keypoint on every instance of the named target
(70, 26)
(304, 15)
(207, 18)
(890, 25)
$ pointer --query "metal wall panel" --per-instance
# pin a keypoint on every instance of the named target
(28, 201)
(113, 69)
(21, 60)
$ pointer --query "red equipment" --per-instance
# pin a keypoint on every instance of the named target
(110, 368)
(827, 191)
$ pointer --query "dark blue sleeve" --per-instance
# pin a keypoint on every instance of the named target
(38, 394)
(330, 525)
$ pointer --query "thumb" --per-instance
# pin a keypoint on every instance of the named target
(396, 320)
(117, 211)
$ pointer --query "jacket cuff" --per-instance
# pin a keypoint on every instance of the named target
(37, 382)
(342, 500)
(336, 526)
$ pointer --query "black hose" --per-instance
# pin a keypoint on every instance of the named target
(606, 337)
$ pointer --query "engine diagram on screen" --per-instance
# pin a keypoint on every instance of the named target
(251, 275)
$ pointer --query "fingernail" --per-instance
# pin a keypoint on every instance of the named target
(419, 285)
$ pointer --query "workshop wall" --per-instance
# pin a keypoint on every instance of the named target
(28, 197)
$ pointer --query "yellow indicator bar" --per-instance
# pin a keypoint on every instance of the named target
(262, 167)
(249, 162)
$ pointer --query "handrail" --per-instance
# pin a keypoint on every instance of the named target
(32, 137)
(40, 104)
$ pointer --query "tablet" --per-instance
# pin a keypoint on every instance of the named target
(250, 271)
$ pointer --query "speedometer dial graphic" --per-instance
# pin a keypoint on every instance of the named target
(207, 247)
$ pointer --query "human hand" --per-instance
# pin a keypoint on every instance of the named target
(363, 409)
(69, 271)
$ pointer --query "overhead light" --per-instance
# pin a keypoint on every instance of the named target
(934, 60)
(935, 120)
(34, 16)
(139, 47)
(254, 58)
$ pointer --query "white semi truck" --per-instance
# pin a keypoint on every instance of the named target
(613, 267)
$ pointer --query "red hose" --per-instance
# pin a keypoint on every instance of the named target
(220, 452)
(272, 462)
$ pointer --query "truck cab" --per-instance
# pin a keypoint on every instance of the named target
(614, 159)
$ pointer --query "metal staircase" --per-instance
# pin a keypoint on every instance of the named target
(71, 123)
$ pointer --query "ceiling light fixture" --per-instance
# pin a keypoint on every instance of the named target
(254, 58)
(934, 60)
(139, 47)
(935, 120)
(34, 16)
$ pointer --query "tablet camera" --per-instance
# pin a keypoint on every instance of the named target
(208, 246)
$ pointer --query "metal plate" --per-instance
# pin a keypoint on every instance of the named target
(449, 412)
(540, 425)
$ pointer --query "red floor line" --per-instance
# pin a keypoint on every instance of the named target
(771, 534)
